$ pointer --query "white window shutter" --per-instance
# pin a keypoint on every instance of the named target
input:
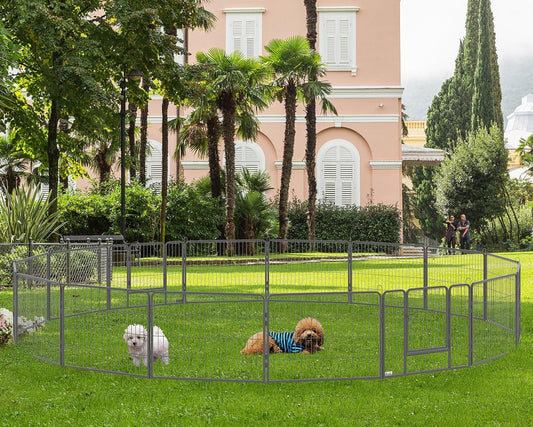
(337, 39)
(244, 33)
(237, 36)
(45, 190)
(344, 41)
(338, 175)
(250, 39)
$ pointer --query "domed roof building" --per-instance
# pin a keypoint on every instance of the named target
(519, 123)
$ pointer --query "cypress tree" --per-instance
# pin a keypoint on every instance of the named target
(483, 114)
(471, 41)
(495, 68)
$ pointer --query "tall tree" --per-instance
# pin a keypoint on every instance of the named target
(293, 62)
(472, 179)
(310, 125)
(237, 81)
(483, 114)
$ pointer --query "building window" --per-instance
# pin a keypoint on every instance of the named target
(338, 173)
(248, 155)
(337, 38)
(154, 165)
(244, 31)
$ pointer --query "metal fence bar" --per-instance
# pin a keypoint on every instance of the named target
(518, 297)
(62, 324)
(382, 336)
(485, 277)
(470, 325)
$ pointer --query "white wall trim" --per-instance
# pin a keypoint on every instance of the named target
(385, 164)
(347, 92)
(244, 10)
(335, 120)
(195, 164)
(358, 92)
(296, 164)
(337, 9)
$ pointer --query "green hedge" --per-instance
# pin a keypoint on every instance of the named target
(191, 213)
(375, 223)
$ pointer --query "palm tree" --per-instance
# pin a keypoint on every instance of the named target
(293, 62)
(13, 163)
(310, 125)
(254, 216)
(237, 83)
(525, 152)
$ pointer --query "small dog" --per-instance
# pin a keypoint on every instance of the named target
(136, 336)
(308, 337)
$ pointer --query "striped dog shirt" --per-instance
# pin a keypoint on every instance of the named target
(285, 341)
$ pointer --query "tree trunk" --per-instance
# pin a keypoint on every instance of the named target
(213, 125)
(131, 138)
(288, 151)
(144, 136)
(53, 160)
(310, 121)
(310, 166)
(311, 18)
(228, 131)
(164, 165)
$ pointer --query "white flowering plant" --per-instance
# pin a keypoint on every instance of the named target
(24, 325)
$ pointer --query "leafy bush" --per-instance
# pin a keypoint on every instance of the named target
(6, 263)
(85, 213)
(142, 213)
(376, 223)
(98, 211)
(192, 214)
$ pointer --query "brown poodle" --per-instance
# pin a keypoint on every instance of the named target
(308, 337)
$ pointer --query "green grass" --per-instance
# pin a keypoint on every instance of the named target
(36, 393)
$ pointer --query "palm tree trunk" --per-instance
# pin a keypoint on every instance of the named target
(311, 18)
(310, 121)
(228, 132)
(164, 165)
(214, 160)
(288, 151)
(131, 138)
(144, 136)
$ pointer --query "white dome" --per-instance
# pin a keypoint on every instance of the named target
(519, 123)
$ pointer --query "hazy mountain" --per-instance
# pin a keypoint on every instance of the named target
(516, 77)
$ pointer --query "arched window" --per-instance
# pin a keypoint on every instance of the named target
(250, 156)
(154, 165)
(338, 167)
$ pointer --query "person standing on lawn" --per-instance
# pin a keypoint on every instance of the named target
(451, 236)
(464, 232)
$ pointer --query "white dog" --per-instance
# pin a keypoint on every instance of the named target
(136, 336)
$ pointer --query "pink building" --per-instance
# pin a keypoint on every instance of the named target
(359, 154)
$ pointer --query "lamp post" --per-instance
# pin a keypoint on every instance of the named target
(135, 76)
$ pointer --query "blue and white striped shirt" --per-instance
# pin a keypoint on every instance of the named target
(286, 342)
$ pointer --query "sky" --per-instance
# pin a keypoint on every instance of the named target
(431, 31)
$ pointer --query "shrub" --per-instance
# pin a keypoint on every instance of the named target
(142, 213)
(376, 223)
(192, 214)
(98, 211)
(6, 263)
(85, 213)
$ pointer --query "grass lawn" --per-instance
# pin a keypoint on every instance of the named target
(496, 393)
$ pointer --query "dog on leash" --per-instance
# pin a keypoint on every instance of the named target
(136, 336)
